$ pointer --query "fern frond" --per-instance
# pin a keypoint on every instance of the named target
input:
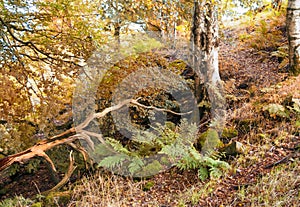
(117, 146)
(203, 173)
(135, 165)
(113, 161)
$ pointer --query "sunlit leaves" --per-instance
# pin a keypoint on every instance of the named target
(42, 46)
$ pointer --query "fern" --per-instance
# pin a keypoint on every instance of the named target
(154, 151)
(215, 172)
(205, 165)
(16, 201)
(113, 161)
(135, 165)
(117, 146)
(175, 151)
(203, 173)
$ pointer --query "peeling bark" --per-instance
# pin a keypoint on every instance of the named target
(205, 44)
(204, 48)
(293, 29)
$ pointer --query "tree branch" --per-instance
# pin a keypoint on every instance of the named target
(68, 137)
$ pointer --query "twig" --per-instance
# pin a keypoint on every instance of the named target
(66, 177)
(135, 102)
(279, 162)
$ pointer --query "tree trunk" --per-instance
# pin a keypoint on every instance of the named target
(117, 32)
(205, 46)
(293, 28)
(276, 4)
(205, 42)
(208, 86)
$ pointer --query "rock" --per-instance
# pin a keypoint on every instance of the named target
(233, 148)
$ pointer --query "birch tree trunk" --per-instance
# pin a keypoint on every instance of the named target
(205, 46)
(293, 28)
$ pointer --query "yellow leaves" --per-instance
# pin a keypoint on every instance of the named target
(264, 31)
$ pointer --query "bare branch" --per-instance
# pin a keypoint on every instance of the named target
(66, 177)
(35, 49)
(135, 102)
(68, 137)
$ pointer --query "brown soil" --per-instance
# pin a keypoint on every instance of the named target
(26, 184)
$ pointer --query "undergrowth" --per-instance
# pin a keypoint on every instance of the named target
(159, 150)
(279, 188)
(266, 34)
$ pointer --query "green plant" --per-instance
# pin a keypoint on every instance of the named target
(266, 34)
(175, 146)
(206, 166)
(148, 186)
(275, 110)
(18, 201)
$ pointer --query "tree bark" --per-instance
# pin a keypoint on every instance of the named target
(205, 45)
(293, 29)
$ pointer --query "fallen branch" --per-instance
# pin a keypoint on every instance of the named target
(36, 150)
(69, 136)
(285, 159)
(135, 102)
(66, 137)
(65, 178)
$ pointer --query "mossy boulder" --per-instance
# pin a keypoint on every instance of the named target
(54, 198)
(209, 140)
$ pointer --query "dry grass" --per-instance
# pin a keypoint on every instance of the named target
(279, 188)
(105, 190)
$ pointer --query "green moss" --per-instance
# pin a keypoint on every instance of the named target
(209, 140)
(297, 124)
(62, 198)
(233, 148)
(229, 133)
(148, 186)
(178, 65)
(38, 204)
(151, 169)
(210, 136)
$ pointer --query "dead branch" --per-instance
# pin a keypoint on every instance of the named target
(37, 150)
(66, 177)
(135, 102)
(68, 137)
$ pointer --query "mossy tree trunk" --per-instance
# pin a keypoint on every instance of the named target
(293, 28)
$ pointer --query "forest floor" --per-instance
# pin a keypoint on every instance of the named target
(266, 174)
